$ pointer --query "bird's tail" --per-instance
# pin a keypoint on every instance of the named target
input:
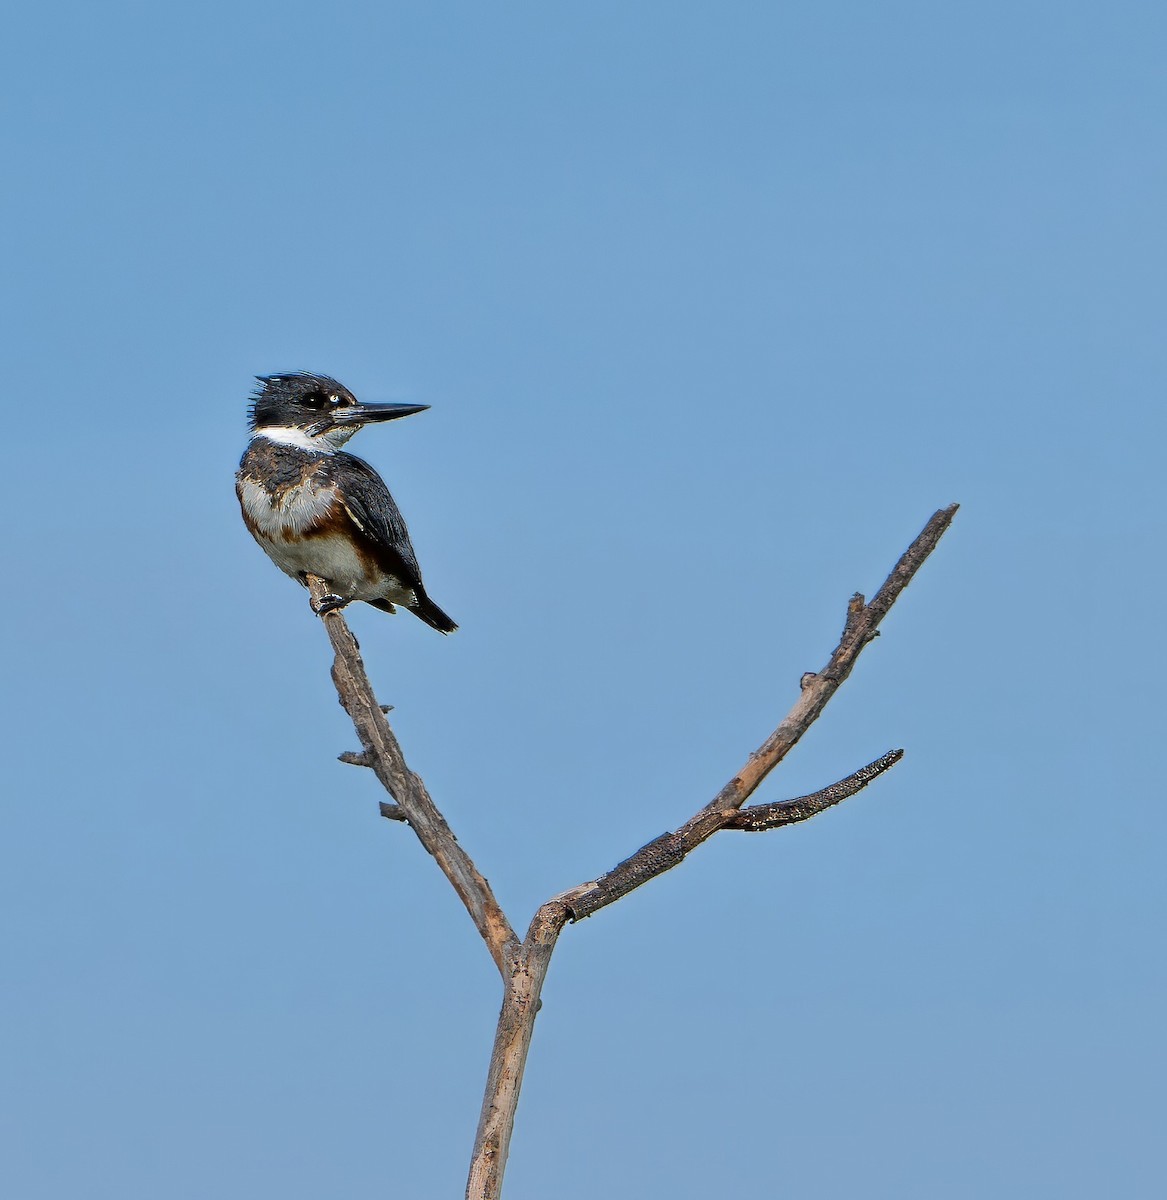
(433, 616)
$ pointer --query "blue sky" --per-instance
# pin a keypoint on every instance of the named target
(714, 305)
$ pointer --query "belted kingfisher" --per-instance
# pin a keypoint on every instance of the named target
(318, 511)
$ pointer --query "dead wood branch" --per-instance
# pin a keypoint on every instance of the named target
(383, 754)
(524, 964)
(756, 818)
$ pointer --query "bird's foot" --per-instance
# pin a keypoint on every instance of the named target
(329, 603)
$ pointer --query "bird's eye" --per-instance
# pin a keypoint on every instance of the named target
(315, 400)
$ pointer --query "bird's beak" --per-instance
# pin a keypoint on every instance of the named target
(369, 414)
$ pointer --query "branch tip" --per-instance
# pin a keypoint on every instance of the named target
(758, 818)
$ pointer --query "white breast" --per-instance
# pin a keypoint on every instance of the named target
(298, 509)
(279, 529)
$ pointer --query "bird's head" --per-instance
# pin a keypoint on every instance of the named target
(315, 410)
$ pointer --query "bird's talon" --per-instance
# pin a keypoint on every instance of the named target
(328, 604)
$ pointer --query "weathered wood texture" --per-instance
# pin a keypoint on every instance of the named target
(523, 965)
(383, 754)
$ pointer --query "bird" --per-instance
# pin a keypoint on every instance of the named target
(317, 510)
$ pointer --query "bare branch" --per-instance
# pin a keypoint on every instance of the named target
(383, 754)
(508, 1059)
(666, 851)
(529, 965)
(756, 818)
(524, 965)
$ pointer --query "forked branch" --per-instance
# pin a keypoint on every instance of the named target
(524, 964)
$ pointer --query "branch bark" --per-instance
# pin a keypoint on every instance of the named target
(523, 965)
(383, 754)
(757, 818)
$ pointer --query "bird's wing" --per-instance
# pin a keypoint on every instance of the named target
(368, 502)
